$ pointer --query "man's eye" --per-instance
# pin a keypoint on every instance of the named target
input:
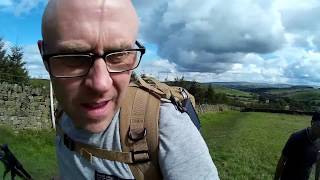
(72, 61)
(118, 57)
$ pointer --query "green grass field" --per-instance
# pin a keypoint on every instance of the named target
(34, 149)
(242, 145)
(248, 145)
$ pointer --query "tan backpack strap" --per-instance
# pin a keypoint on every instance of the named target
(87, 151)
(137, 131)
(162, 90)
(152, 89)
(139, 118)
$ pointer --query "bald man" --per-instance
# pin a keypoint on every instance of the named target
(89, 49)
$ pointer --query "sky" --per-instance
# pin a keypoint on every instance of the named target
(263, 41)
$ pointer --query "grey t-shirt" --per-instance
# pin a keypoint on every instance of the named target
(183, 153)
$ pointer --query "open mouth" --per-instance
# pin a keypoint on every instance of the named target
(96, 110)
(95, 105)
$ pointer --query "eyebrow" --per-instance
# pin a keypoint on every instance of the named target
(120, 46)
(73, 47)
(82, 47)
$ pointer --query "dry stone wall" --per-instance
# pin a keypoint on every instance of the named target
(204, 108)
(24, 107)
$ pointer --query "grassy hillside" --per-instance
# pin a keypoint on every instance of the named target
(232, 92)
(248, 145)
(311, 95)
(298, 94)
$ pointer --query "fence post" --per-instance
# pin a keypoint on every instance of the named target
(52, 106)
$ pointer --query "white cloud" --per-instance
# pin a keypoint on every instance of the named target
(159, 68)
(212, 35)
(34, 62)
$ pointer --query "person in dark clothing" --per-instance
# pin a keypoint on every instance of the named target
(300, 153)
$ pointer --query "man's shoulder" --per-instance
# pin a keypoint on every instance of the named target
(176, 123)
(299, 134)
(169, 113)
(168, 107)
(297, 139)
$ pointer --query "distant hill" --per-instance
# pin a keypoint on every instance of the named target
(299, 97)
(249, 85)
(254, 87)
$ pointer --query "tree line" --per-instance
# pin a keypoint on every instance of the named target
(203, 94)
(12, 67)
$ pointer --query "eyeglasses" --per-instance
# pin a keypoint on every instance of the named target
(78, 65)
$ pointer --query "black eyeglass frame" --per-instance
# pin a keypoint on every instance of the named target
(46, 58)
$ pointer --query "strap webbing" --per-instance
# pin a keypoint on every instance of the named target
(87, 151)
(137, 131)
(140, 103)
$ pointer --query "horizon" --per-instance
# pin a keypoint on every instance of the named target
(275, 42)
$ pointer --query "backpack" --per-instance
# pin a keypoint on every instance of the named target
(139, 131)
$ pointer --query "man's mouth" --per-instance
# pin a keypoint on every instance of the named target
(92, 106)
(96, 109)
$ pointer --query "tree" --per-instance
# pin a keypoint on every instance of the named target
(12, 66)
(3, 62)
(2, 50)
(197, 91)
(209, 95)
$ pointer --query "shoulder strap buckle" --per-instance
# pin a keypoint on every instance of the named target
(140, 156)
(86, 154)
(137, 134)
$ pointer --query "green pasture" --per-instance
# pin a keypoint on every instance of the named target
(34, 149)
(242, 145)
(248, 145)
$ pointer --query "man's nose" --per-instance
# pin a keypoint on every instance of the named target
(98, 78)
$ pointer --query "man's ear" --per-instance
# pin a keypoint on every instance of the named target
(40, 46)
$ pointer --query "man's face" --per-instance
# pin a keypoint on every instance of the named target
(71, 26)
